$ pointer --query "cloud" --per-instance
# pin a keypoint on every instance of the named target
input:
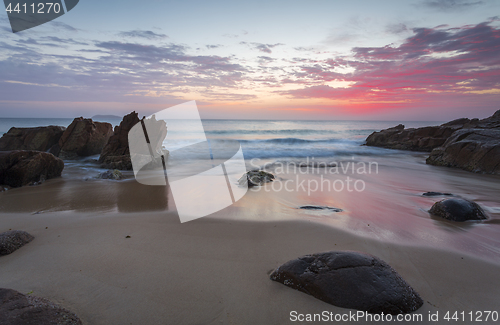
(146, 34)
(62, 26)
(432, 62)
(451, 5)
(266, 48)
(396, 28)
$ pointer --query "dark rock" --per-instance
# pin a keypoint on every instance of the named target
(436, 194)
(116, 153)
(475, 150)
(39, 138)
(421, 139)
(256, 178)
(18, 168)
(111, 174)
(12, 240)
(317, 207)
(19, 309)
(82, 138)
(427, 138)
(458, 209)
(350, 280)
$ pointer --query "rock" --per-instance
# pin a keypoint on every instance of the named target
(19, 309)
(116, 153)
(475, 150)
(317, 207)
(82, 138)
(256, 178)
(436, 194)
(458, 209)
(350, 280)
(39, 138)
(20, 167)
(427, 138)
(12, 240)
(421, 139)
(111, 174)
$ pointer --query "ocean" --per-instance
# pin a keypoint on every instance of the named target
(283, 140)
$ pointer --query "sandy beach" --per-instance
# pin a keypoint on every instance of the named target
(215, 270)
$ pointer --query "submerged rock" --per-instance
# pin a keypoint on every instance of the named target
(458, 209)
(22, 167)
(111, 174)
(38, 138)
(256, 178)
(19, 309)
(350, 280)
(12, 240)
(436, 194)
(318, 207)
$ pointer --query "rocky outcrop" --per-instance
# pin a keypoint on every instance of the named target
(427, 138)
(39, 138)
(475, 150)
(256, 178)
(350, 280)
(12, 240)
(20, 167)
(470, 144)
(458, 209)
(19, 309)
(116, 153)
(82, 138)
(421, 139)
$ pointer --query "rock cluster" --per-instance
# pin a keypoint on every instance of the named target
(470, 144)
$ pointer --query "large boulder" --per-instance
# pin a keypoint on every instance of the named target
(38, 138)
(427, 138)
(82, 138)
(12, 240)
(116, 153)
(22, 167)
(475, 150)
(350, 280)
(458, 209)
(19, 309)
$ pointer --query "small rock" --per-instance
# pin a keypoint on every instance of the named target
(111, 174)
(350, 280)
(318, 207)
(458, 209)
(256, 178)
(19, 309)
(437, 194)
(12, 240)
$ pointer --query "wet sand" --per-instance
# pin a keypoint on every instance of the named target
(215, 270)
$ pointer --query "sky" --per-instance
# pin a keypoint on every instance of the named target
(425, 60)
